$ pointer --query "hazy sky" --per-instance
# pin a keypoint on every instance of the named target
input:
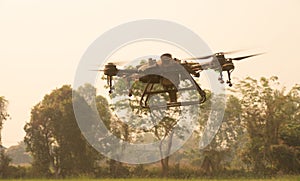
(41, 42)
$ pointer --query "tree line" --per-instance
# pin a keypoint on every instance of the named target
(259, 136)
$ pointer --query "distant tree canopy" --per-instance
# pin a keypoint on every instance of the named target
(54, 138)
(272, 118)
(220, 151)
(4, 159)
(18, 154)
(260, 133)
(3, 113)
(157, 124)
(260, 130)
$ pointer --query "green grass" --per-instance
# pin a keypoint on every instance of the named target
(285, 178)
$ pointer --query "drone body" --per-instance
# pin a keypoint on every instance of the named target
(168, 72)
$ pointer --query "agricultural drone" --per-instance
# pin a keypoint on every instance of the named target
(168, 72)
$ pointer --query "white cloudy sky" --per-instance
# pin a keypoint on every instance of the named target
(41, 42)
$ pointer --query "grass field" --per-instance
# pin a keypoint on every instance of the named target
(286, 178)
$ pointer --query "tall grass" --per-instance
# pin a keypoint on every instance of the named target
(285, 178)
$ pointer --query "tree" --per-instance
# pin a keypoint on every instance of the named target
(54, 138)
(4, 159)
(286, 154)
(3, 113)
(268, 113)
(88, 92)
(140, 124)
(4, 165)
(220, 151)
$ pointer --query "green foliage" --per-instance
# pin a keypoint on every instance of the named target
(282, 178)
(3, 113)
(259, 135)
(285, 158)
(144, 124)
(54, 139)
(4, 165)
(222, 149)
(290, 133)
(271, 116)
(4, 159)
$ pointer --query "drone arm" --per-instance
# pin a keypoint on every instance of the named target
(192, 68)
(111, 70)
(126, 72)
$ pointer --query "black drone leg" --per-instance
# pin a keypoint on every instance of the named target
(109, 81)
(221, 78)
(200, 91)
(229, 78)
(173, 96)
(130, 87)
(146, 94)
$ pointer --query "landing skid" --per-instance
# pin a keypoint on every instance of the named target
(172, 91)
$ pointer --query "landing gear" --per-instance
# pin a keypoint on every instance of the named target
(221, 80)
(172, 91)
(229, 78)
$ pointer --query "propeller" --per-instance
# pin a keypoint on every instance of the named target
(96, 70)
(209, 56)
(233, 51)
(198, 58)
(121, 63)
(243, 57)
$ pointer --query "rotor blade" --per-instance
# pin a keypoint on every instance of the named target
(248, 56)
(233, 51)
(97, 70)
(198, 58)
(209, 56)
(120, 63)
